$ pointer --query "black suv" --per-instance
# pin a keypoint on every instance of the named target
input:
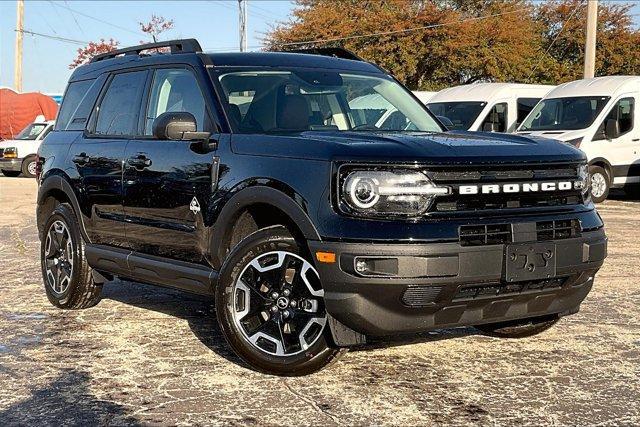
(313, 196)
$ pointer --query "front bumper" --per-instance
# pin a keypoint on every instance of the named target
(446, 284)
(14, 165)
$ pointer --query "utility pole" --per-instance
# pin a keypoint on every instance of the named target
(590, 42)
(17, 66)
(242, 9)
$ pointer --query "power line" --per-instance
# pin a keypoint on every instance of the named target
(575, 10)
(100, 20)
(408, 30)
(49, 36)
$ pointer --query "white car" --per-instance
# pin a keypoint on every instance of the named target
(598, 116)
(18, 156)
(488, 107)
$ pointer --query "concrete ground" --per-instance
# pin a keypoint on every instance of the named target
(146, 355)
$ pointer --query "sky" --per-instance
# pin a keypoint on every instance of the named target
(214, 23)
(45, 61)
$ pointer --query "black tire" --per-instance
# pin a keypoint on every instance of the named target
(315, 357)
(11, 174)
(28, 167)
(518, 328)
(600, 176)
(80, 290)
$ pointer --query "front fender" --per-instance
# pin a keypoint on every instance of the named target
(244, 196)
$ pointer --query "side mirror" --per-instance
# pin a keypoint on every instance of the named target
(612, 129)
(177, 126)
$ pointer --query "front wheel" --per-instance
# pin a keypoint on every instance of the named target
(518, 328)
(270, 306)
(600, 184)
(29, 167)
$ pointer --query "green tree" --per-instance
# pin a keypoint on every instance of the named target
(434, 44)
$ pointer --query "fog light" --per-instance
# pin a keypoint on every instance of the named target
(361, 266)
(376, 266)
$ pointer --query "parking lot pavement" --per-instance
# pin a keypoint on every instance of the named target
(148, 355)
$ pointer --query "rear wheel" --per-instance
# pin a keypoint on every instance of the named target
(29, 167)
(67, 276)
(11, 174)
(600, 184)
(270, 306)
(518, 328)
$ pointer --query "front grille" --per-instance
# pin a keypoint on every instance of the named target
(495, 289)
(419, 296)
(558, 229)
(500, 175)
(478, 235)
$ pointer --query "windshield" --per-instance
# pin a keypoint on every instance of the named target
(300, 100)
(461, 114)
(565, 113)
(31, 132)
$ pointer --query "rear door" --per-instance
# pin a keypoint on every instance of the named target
(168, 184)
(98, 154)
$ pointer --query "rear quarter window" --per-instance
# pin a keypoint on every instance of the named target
(73, 96)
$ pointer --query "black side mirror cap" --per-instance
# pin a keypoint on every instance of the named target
(178, 126)
(612, 129)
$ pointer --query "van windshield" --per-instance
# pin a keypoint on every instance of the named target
(572, 113)
(461, 114)
(31, 132)
(300, 100)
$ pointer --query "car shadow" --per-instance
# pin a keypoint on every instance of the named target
(199, 312)
(67, 400)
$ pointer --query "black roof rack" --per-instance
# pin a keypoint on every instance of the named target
(336, 52)
(176, 46)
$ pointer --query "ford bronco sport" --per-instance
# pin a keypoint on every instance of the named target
(252, 179)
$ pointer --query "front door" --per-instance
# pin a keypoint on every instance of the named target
(622, 152)
(98, 153)
(168, 184)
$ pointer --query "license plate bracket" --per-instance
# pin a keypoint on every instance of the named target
(530, 261)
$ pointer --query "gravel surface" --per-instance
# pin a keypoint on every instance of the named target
(146, 355)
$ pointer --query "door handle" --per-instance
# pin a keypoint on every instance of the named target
(139, 162)
(81, 159)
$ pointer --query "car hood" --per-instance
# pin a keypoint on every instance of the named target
(10, 143)
(458, 147)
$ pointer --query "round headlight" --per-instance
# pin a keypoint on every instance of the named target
(363, 192)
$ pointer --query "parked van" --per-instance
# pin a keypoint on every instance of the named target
(18, 155)
(598, 116)
(488, 107)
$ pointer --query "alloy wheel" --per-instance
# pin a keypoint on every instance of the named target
(278, 304)
(58, 257)
(32, 168)
(598, 185)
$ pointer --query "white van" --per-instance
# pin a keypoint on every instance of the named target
(488, 107)
(18, 155)
(598, 116)
(423, 95)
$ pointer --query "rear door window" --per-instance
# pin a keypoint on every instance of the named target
(117, 114)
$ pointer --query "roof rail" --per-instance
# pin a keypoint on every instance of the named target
(176, 46)
(336, 52)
